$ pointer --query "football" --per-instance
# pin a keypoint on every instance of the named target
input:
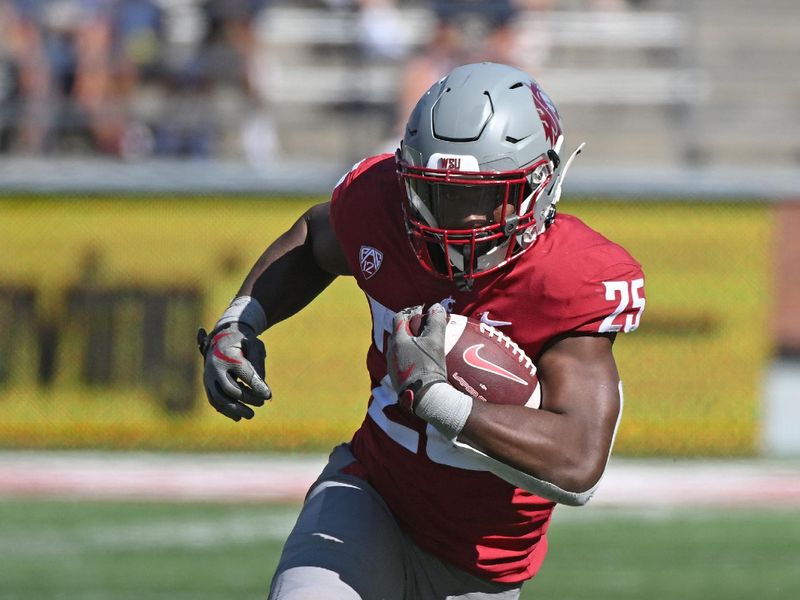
(486, 364)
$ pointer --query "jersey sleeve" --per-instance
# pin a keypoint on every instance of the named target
(339, 199)
(352, 192)
(608, 298)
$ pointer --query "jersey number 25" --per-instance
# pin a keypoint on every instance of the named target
(628, 295)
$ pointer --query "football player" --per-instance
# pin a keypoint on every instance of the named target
(437, 495)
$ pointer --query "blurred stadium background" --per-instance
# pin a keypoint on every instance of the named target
(150, 149)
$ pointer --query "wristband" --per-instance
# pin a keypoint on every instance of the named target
(247, 310)
(444, 407)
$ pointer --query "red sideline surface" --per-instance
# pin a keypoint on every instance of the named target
(286, 478)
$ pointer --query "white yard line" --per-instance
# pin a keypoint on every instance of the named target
(271, 478)
(157, 476)
(162, 534)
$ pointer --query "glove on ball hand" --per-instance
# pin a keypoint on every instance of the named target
(234, 369)
(416, 362)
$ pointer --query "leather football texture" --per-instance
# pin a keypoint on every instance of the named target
(486, 364)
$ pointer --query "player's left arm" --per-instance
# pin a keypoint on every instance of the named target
(560, 450)
(565, 444)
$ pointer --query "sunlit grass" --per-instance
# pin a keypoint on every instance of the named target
(98, 550)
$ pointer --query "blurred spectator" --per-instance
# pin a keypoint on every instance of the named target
(381, 30)
(465, 31)
(29, 53)
(8, 79)
(136, 59)
(217, 79)
(78, 62)
(227, 52)
(136, 77)
(476, 14)
(75, 71)
(445, 49)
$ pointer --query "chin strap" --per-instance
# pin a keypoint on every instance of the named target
(555, 189)
(463, 283)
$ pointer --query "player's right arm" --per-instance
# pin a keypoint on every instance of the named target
(297, 266)
(290, 273)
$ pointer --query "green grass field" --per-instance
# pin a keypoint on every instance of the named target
(62, 550)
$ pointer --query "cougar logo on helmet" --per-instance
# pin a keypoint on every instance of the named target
(547, 113)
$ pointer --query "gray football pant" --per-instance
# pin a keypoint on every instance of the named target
(346, 545)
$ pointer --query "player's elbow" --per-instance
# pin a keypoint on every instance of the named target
(576, 500)
(579, 480)
(578, 491)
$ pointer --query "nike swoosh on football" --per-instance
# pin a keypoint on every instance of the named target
(473, 359)
(491, 322)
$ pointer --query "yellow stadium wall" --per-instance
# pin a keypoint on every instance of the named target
(691, 373)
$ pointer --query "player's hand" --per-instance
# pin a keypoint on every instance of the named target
(416, 362)
(234, 370)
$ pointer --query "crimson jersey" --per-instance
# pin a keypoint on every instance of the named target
(571, 280)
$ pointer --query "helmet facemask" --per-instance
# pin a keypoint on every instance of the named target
(467, 224)
(480, 165)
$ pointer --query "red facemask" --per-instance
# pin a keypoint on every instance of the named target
(465, 225)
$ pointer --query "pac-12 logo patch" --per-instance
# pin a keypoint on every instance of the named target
(370, 260)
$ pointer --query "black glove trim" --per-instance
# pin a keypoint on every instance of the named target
(204, 339)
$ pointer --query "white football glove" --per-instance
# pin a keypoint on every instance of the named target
(234, 369)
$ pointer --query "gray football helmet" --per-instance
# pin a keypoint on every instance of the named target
(481, 168)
